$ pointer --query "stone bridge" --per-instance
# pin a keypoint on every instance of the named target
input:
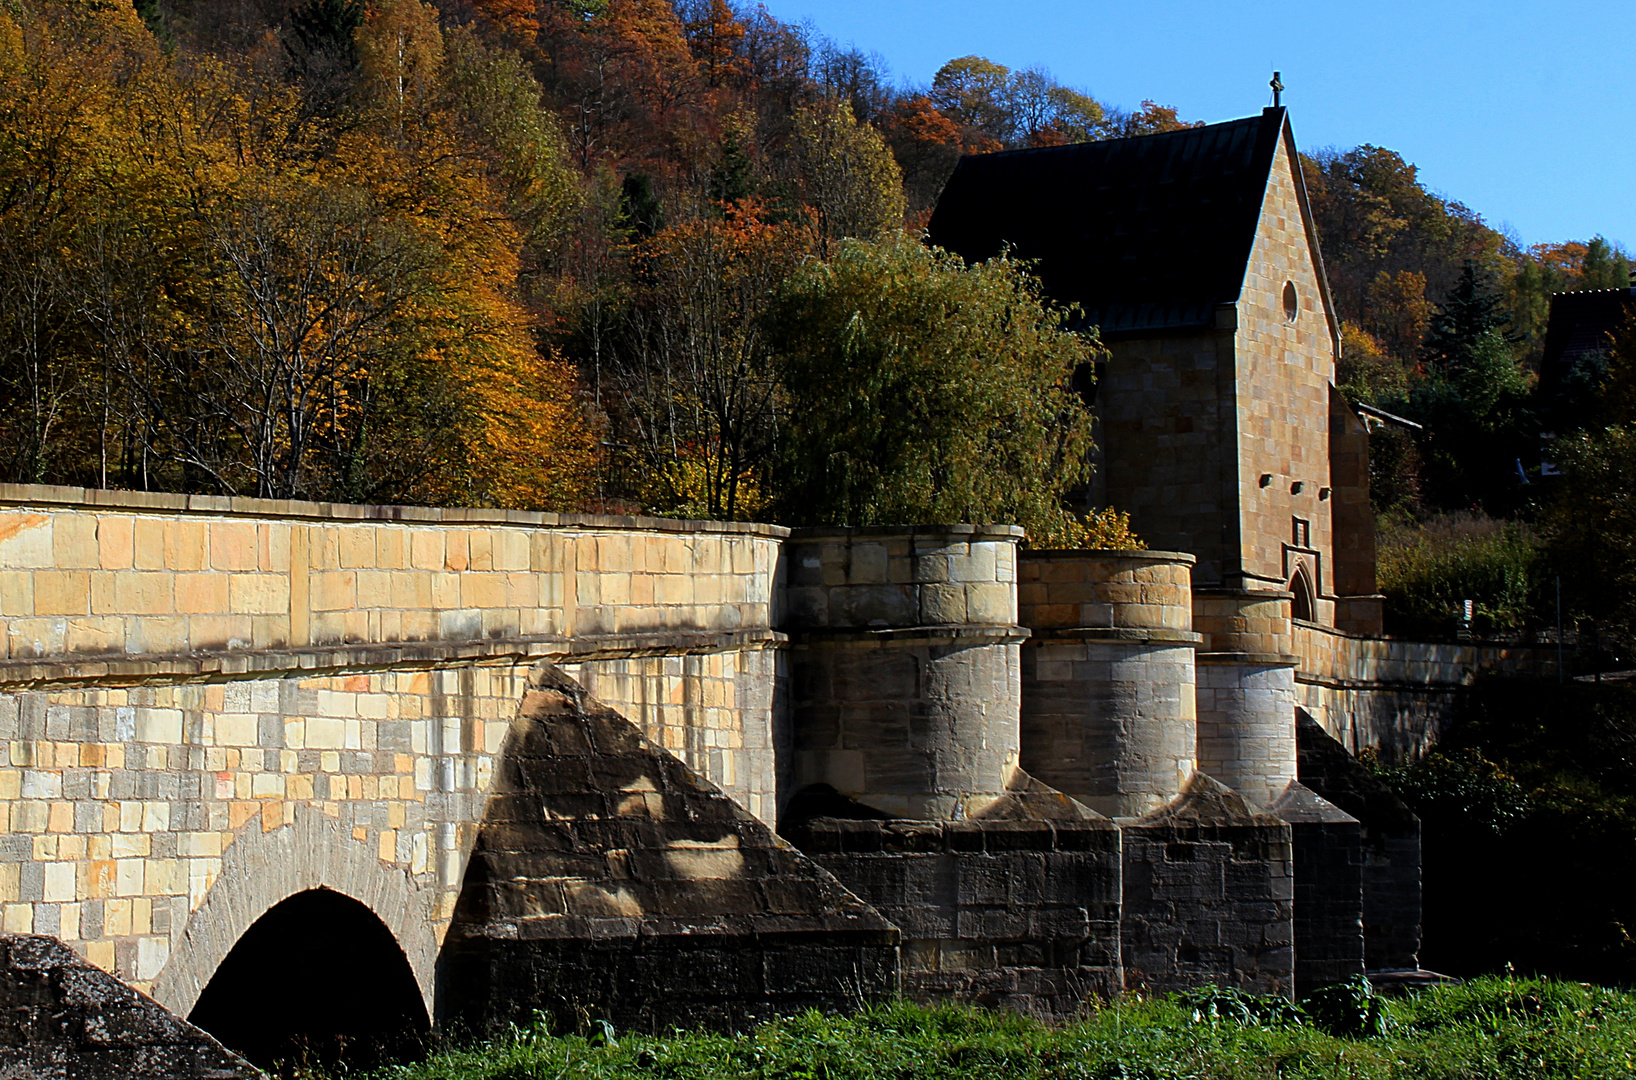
(545, 755)
(212, 704)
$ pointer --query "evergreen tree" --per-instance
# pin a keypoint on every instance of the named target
(1472, 401)
(1464, 320)
(1605, 266)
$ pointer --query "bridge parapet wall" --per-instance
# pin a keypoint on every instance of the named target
(1393, 695)
(88, 574)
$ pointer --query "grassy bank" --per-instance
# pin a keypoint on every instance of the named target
(1489, 1028)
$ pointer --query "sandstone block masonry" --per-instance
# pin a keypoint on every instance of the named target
(208, 706)
(209, 700)
(1109, 716)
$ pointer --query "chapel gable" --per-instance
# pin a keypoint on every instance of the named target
(1194, 253)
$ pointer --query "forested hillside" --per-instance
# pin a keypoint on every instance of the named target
(652, 255)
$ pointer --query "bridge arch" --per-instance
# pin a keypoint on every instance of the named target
(260, 870)
(318, 979)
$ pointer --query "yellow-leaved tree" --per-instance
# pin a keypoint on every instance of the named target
(226, 289)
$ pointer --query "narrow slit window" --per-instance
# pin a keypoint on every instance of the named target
(1302, 533)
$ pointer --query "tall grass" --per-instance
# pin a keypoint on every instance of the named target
(1491, 1028)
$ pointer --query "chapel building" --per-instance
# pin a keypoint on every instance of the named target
(1219, 427)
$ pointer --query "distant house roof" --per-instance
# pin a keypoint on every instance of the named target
(1144, 233)
(1580, 323)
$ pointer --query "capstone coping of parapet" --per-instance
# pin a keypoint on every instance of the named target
(1250, 659)
(119, 669)
(877, 532)
(47, 495)
(1132, 554)
(931, 634)
(1118, 635)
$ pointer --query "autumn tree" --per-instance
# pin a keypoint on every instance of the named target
(61, 69)
(848, 175)
(998, 108)
(920, 389)
(1151, 119)
(693, 378)
(256, 298)
(1399, 313)
(1374, 217)
(926, 145)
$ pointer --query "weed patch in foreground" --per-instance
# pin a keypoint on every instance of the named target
(1490, 1028)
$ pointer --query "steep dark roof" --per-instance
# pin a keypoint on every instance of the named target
(1580, 323)
(1143, 233)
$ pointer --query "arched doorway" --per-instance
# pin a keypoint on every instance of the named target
(1302, 606)
(317, 980)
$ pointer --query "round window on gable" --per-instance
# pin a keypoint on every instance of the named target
(1292, 303)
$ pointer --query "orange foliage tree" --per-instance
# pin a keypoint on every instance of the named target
(694, 381)
(253, 298)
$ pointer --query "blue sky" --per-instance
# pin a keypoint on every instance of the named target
(1526, 112)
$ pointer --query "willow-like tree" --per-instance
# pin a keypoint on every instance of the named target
(919, 389)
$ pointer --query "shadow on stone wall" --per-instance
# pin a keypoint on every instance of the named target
(1208, 895)
(1390, 844)
(1016, 909)
(609, 881)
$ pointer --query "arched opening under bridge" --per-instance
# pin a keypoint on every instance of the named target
(317, 981)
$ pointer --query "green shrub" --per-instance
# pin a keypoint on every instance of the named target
(1428, 570)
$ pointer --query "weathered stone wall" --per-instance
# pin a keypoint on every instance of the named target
(1019, 914)
(1246, 724)
(1208, 896)
(716, 711)
(109, 575)
(1392, 695)
(1245, 623)
(1140, 591)
(1329, 855)
(1108, 689)
(207, 705)
(608, 880)
(1166, 428)
(905, 675)
(1358, 607)
(1389, 841)
(1246, 690)
(149, 826)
